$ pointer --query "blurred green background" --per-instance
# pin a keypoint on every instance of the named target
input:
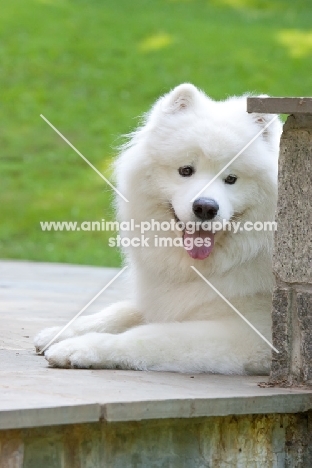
(92, 67)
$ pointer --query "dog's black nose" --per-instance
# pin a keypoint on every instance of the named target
(205, 208)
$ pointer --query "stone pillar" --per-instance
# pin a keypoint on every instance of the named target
(292, 260)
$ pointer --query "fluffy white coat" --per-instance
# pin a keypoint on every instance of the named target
(175, 321)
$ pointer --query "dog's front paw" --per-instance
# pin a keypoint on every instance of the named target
(45, 336)
(80, 352)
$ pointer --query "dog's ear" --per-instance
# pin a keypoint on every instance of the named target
(269, 123)
(181, 98)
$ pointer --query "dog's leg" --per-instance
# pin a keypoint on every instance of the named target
(228, 347)
(114, 319)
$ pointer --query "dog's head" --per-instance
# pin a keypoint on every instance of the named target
(201, 161)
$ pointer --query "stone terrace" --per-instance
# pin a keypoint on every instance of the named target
(94, 418)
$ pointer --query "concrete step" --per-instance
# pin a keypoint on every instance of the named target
(68, 418)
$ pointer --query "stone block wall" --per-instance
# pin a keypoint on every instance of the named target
(292, 262)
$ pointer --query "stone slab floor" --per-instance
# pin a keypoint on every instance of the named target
(34, 396)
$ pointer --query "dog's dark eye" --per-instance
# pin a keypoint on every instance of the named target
(186, 171)
(231, 179)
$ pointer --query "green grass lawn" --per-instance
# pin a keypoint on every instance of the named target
(92, 67)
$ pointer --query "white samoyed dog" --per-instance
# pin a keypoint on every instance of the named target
(176, 321)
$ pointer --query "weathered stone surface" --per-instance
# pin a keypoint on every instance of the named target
(292, 325)
(298, 121)
(281, 331)
(298, 442)
(292, 260)
(65, 418)
(293, 239)
(251, 441)
(304, 313)
(279, 105)
(34, 395)
(11, 452)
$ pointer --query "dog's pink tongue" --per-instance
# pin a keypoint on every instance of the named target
(198, 245)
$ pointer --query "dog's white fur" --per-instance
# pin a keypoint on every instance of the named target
(175, 321)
